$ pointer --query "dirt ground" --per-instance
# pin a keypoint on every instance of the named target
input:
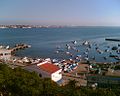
(77, 74)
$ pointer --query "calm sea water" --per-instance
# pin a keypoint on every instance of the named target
(45, 40)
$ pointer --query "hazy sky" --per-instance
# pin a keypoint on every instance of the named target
(60, 12)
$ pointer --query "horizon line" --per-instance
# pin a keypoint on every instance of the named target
(64, 25)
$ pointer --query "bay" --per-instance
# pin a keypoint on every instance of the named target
(45, 40)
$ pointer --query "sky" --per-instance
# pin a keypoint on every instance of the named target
(61, 12)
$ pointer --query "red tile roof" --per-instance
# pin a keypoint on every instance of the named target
(50, 68)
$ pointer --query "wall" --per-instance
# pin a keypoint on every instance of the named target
(57, 75)
(5, 54)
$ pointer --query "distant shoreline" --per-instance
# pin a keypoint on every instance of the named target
(52, 26)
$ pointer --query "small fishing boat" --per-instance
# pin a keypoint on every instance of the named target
(86, 43)
(74, 42)
(117, 58)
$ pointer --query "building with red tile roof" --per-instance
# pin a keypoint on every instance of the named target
(47, 70)
(50, 68)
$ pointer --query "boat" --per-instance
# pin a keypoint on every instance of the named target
(114, 56)
(74, 42)
(67, 53)
(118, 45)
(7, 47)
(114, 48)
(118, 51)
(105, 58)
(57, 51)
(99, 51)
(117, 58)
(106, 50)
(86, 43)
(68, 46)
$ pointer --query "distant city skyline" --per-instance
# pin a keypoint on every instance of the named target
(61, 12)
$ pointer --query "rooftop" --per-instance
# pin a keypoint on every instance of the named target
(5, 50)
(50, 68)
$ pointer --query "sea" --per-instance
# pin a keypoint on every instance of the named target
(46, 41)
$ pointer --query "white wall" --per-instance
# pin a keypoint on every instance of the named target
(6, 54)
(57, 75)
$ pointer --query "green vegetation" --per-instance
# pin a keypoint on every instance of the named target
(18, 82)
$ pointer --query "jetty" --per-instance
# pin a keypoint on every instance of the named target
(110, 39)
(19, 47)
(6, 52)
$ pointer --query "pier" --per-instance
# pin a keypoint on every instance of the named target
(19, 47)
(6, 52)
(108, 39)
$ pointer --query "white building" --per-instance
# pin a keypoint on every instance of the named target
(5, 54)
(53, 71)
(47, 70)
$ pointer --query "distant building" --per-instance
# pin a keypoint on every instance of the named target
(5, 54)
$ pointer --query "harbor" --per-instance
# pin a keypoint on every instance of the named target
(60, 48)
(78, 67)
(76, 56)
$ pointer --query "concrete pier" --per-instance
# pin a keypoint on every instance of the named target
(19, 47)
(108, 39)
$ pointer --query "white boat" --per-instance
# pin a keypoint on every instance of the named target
(74, 42)
(86, 43)
(7, 47)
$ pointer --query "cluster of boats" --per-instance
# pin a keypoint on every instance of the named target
(66, 65)
(71, 49)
